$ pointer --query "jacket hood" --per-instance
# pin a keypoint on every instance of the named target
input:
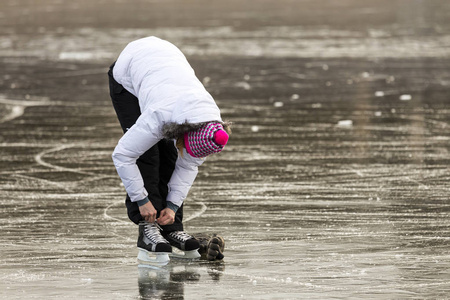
(195, 108)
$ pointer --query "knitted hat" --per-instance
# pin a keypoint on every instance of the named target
(209, 139)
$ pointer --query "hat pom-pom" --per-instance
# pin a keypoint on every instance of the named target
(221, 137)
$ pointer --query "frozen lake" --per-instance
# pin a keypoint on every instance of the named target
(334, 184)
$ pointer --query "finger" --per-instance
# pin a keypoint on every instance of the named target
(215, 240)
(150, 218)
(166, 221)
(218, 241)
(162, 220)
(212, 254)
(214, 247)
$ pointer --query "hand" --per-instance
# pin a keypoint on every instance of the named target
(148, 212)
(166, 217)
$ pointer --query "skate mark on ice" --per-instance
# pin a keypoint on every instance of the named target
(57, 196)
(74, 73)
(248, 245)
(62, 186)
(27, 145)
(357, 172)
(18, 107)
(400, 177)
(39, 159)
(120, 221)
(419, 184)
(109, 217)
(287, 281)
(68, 186)
(198, 213)
(16, 112)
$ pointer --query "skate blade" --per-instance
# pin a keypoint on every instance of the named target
(146, 257)
(179, 254)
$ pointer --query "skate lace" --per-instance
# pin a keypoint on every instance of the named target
(152, 232)
(180, 235)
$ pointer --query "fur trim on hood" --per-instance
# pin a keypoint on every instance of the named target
(175, 130)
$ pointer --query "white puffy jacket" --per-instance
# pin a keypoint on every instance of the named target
(158, 74)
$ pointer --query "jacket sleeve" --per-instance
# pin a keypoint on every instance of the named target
(186, 169)
(136, 141)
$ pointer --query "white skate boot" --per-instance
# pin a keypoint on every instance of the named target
(153, 248)
(185, 246)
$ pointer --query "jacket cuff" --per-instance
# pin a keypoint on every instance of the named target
(143, 201)
(172, 206)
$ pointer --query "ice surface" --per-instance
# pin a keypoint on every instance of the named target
(308, 210)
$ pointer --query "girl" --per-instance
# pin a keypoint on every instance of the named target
(171, 123)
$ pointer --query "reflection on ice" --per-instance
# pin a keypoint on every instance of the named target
(92, 44)
(169, 282)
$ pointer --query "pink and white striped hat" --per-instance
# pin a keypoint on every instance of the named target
(209, 139)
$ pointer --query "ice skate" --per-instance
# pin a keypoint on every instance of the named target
(154, 249)
(184, 245)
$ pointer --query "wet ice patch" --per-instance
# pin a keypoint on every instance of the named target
(390, 79)
(86, 281)
(345, 123)
(206, 80)
(295, 97)
(405, 97)
(76, 55)
(83, 56)
(244, 85)
(441, 138)
(278, 104)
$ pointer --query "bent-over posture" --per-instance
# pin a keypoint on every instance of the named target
(170, 124)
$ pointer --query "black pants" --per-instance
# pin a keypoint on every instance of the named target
(156, 165)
